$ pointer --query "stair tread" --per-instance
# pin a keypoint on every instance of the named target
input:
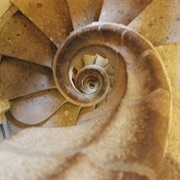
(84, 12)
(37, 107)
(171, 57)
(89, 59)
(21, 39)
(20, 78)
(122, 12)
(51, 17)
(159, 22)
(67, 115)
(101, 61)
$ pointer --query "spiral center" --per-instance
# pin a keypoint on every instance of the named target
(89, 80)
(90, 84)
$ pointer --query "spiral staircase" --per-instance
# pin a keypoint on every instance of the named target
(87, 63)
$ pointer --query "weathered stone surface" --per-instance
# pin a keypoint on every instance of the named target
(171, 165)
(51, 17)
(126, 135)
(122, 12)
(171, 57)
(36, 108)
(19, 78)
(159, 22)
(84, 12)
(21, 39)
(66, 152)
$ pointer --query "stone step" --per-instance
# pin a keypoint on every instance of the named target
(159, 22)
(21, 39)
(19, 78)
(66, 115)
(51, 17)
(36, 108)
(122, 12)
(84, 12)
